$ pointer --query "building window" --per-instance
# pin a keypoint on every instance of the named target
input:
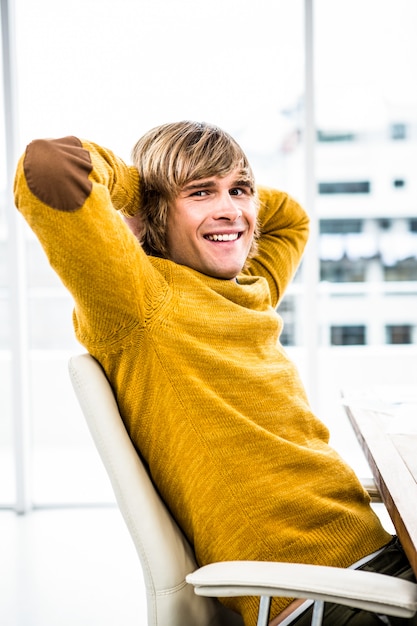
(398, 131)
(340, 227)
(287, 337)
(384, 223)
(345, 187)
(343, 271)
(398, 183)
(399, 334)
(287, 311)
(326, 135)
(412, 225)
(402, 270)
(347, 335)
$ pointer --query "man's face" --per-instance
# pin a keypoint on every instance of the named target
(211, 224)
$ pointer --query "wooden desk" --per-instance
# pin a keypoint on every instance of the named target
(392, 457)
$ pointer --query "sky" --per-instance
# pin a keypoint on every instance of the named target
(115, 69)
(366, 59)
(109, 71)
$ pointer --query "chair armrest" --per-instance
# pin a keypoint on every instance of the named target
(365, 590)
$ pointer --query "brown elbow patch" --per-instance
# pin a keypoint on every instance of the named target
(57, 172)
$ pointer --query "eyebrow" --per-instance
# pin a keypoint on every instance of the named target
(207, 184)
(204, 184)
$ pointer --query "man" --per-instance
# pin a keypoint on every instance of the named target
(182, 318)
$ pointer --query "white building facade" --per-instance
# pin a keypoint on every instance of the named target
(366, 204)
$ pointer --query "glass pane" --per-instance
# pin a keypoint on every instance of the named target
(366, 96)
(66, 466)
(143, 64)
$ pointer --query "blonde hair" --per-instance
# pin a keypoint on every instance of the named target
(167, 158)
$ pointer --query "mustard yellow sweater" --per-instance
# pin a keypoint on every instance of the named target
(207, 392)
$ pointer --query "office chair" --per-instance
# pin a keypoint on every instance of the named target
(178, 592)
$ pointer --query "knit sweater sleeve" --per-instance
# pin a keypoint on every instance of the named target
(68, 191)
(283, 226)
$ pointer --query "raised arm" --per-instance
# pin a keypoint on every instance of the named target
(283, 235)
(68, 191)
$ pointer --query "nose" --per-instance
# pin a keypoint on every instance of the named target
(227, 209)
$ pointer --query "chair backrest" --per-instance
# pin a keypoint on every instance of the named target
(165, 555)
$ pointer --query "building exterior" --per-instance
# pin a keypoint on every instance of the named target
(366, 204)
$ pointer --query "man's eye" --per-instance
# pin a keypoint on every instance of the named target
(200, 193)
(237, 191)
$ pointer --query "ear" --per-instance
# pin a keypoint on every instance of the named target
(135, 224)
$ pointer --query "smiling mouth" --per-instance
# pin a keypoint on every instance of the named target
(223, 237)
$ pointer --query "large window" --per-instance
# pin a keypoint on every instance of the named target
(366, 125)
(109, 71)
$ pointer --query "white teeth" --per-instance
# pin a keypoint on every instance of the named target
(231, 237)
